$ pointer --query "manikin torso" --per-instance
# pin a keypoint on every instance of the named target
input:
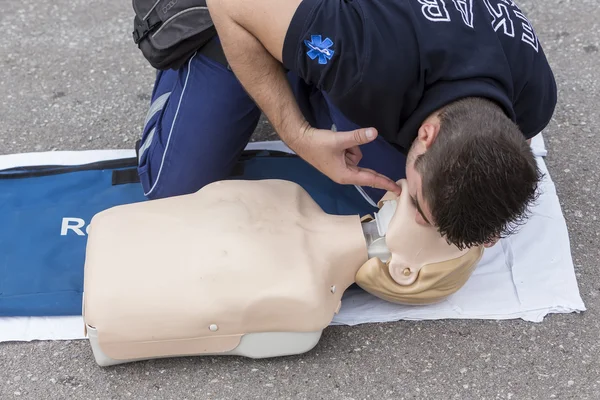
(200, 271)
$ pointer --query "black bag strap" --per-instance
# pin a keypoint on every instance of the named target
(130, 175)
(142, 28)
(36, 171)
(213, 50)
(125, 176)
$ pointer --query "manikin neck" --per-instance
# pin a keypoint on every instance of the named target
(375, 230)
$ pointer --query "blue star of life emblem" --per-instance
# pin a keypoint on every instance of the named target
(319, 48)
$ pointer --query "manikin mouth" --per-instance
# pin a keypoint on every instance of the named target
(375, 230)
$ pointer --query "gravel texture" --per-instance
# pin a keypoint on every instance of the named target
(71, 79)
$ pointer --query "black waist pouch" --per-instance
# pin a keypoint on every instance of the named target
(169, 32)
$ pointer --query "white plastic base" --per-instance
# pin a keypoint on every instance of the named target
(253, 345)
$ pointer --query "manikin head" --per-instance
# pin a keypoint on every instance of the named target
(471, 173)
(410, 262)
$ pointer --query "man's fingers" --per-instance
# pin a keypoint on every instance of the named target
(355, 138)
(354, 155)
(352, 159)
(372, 172)
(355, 150)
(378, 181)
(368, 177)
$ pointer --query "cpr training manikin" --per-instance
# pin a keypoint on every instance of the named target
(250, 268)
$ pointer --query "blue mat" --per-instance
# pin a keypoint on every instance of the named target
(45, 211)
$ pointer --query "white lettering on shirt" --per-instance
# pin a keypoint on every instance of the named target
(465, 7)
(528, 35)
(500, 11)
(435, 10)
(501, 18)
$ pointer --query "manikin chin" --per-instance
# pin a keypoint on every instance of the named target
(250, 268)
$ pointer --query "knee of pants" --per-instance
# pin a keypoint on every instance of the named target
(178, 160)
(199, 121)
(161, 176)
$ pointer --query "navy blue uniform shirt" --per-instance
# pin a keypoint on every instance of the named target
(389, 64)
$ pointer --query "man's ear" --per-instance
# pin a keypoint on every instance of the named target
(428, 132)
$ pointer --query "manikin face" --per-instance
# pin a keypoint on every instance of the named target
(417, 266)
(411, 244)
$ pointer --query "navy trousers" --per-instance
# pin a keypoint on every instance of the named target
(200, 120)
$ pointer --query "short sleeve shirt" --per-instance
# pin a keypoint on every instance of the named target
(389, 64)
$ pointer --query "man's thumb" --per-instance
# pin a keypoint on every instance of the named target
(358, 137)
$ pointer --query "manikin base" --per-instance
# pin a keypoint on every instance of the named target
(252, 345)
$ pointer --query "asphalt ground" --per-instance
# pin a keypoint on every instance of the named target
(71, 79)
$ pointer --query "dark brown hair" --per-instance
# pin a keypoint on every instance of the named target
(479, 177)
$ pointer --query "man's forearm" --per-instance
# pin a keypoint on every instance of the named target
(253, 34)
(260, 73)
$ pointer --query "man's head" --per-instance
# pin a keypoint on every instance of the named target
(471, 173)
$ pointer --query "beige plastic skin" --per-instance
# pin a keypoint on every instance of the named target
(193, 274)
(423, 267)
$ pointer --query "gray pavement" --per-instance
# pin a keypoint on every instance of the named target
(70, 78)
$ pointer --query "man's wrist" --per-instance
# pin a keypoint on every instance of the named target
(296, 135)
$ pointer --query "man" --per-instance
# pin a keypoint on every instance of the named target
(457, 86)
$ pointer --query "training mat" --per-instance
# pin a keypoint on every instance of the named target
(526, 276)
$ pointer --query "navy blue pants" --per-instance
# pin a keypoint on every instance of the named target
(200, 120)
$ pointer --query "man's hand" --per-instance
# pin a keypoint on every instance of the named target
(337, 154)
